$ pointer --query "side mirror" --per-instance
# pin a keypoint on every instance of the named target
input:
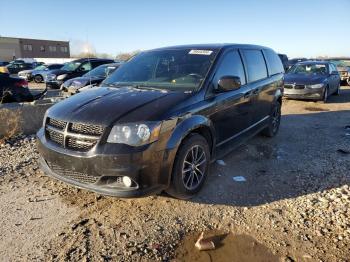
(228, 83)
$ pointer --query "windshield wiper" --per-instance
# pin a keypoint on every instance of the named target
(114, 85)
(147, 87)
(137, 86)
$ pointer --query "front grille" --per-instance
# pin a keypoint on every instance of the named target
(56, 123)
(288, 86)
(75, 136)
(54, 136)
(299, 87)
(86, 129)
(76, 176)
(79, 144)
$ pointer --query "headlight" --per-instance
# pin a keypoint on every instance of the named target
(315, 86)
(61, 77)
(135, 134)
(51, 77)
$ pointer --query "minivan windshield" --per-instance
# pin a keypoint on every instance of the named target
(173, 69)
(309, 69)
(71, 66)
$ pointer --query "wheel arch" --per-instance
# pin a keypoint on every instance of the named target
(195, 124)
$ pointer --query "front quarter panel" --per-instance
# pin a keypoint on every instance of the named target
(186, 124)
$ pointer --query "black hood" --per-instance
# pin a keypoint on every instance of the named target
(78, 82)
(105, 106)
(303, 79)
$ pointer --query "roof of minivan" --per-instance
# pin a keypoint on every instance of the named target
(213, 46)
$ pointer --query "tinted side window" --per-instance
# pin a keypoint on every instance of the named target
(231, 65)
(274, 62)
(85, 66)
(97, 63)
(255, 63)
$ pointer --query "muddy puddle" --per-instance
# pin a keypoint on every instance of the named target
(229, 247)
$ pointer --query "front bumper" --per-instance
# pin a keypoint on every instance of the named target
(306, 93)
(54, 84)
(148, 168)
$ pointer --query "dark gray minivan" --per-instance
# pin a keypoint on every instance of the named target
(159, 120)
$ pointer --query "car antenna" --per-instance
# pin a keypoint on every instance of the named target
(87, 49)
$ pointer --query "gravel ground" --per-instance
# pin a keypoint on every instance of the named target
(292, 206)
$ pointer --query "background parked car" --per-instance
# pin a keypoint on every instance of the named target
(14, 68)
(312, 80)
(90, 79)
(13, 89)
(3, 63)
(285, 61)
(293, 61)
(38, 73)
(343, 67)
(73, 69)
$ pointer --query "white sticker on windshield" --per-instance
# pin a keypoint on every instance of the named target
(200, 52)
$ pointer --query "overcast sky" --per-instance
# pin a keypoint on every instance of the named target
(295, 27)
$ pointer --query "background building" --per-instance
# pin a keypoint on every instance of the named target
(11, 47)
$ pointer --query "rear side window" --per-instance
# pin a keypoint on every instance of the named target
(231, 65)
(274, 62)
(256, 67)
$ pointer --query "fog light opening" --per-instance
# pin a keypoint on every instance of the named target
(127, 181)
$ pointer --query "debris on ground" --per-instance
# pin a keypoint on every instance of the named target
(239, 179)
(204, 244)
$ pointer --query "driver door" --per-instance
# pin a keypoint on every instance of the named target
(232, 109)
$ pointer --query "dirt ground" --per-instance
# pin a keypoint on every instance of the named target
(292, 206)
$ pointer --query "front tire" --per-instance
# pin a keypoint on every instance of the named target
(274, 121)
(190, 168)
(38, 79)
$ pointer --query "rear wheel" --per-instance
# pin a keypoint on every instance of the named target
(190, 168)
(274, 121)
(38, 79)
(348, 81)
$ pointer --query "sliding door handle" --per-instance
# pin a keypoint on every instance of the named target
(248, 94)
(256, 91)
